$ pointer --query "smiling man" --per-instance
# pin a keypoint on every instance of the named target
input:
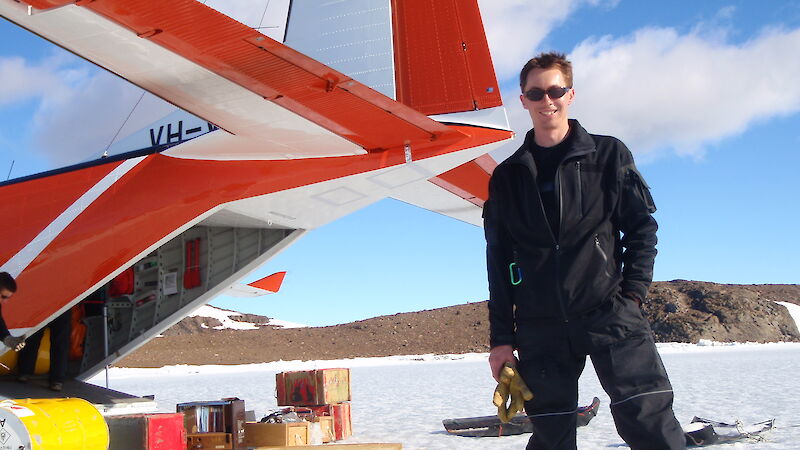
(570, 248)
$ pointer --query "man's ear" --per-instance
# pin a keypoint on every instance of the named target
(571, 95)
(522, 100)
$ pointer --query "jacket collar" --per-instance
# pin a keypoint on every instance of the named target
(582, 143)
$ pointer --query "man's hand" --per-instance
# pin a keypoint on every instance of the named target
(511, 387)
(633, 297)
(15, 343)
(498, 356)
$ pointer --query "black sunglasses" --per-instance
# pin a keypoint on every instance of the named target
(554, 92)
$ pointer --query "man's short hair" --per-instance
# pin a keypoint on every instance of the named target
(549, 60)
(7, 282)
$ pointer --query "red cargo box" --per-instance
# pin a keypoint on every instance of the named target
(147, 431)
(313, 387)
(342, 426)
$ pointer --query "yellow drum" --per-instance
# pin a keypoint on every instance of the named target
(8, 361)
(58, 423)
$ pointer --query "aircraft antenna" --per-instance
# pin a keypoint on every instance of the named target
(105, 152)
(10, 169)
(264, 14)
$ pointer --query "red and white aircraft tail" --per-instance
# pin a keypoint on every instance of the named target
(363, 101)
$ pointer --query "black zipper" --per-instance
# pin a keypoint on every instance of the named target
(557, 246)
(558, 285)
(602, 254)
(579, 192)
(559, 295)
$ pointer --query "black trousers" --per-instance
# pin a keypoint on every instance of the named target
(60, 331)
(618, 340)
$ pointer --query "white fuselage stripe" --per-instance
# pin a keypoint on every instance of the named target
(17, 263)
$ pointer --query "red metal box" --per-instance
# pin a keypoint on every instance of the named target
(313, 387)
(146, 431)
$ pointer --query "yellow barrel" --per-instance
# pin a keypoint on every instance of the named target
(8, 361)
(52, 423)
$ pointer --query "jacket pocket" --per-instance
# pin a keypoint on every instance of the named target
(598, 248)
(640, 189)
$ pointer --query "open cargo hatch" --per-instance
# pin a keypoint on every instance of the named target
(148, 296)
(108, 401)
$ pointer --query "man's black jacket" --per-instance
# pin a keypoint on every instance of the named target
(606, 244)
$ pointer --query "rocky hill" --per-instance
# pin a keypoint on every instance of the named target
(679, 311)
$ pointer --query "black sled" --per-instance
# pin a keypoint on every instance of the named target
(491, 426)
(703, 432)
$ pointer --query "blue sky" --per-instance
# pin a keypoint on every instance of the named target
(704, 93)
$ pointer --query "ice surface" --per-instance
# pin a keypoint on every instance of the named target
(404, 398)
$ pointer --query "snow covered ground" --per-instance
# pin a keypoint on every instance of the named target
(404, 398)
(224, 316)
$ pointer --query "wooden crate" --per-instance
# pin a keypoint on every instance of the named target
(342, 426)
(218, 416)
(215, 441)
(313, 387)
(276, 434)
(326, 424)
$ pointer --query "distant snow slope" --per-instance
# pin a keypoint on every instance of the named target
(794, 311)
(224, 316)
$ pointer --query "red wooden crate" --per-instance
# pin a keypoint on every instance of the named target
(147, 431)
(313, 387)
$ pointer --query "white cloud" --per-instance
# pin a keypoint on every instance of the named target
(21, 80)
(657, 89)
(516, 28)
(78, 108)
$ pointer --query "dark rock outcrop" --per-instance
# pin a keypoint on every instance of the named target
(687, 311)
(679, 311)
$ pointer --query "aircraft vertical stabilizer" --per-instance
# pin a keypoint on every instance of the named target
(442, 57)
(431, 56)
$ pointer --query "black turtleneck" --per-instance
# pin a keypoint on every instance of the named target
(547, 160)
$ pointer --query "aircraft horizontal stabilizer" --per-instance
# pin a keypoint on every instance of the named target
(270, 284)
(458, 193)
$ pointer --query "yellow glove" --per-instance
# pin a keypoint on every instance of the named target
(510, 385)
